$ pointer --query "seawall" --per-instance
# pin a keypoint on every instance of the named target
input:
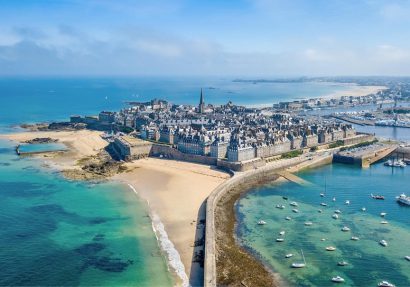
(256, 175)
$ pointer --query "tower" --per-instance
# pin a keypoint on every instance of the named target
(201, 107)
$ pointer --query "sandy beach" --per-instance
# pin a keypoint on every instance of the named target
(355, 91)
(176, 192)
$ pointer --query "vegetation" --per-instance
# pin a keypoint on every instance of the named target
(338, 143)
(363, 144)
(292, 154)
(313, 148)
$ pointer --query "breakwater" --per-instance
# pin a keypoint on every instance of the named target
(254, 176)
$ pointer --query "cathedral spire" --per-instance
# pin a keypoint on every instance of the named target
(201, 106)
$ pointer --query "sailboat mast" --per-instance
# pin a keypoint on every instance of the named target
(303, 256)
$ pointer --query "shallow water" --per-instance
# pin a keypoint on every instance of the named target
(59, 232)
(42, 147)
(369, 262)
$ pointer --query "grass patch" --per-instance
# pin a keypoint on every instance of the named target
(292, 154)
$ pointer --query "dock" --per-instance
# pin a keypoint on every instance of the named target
(293, 178)
(365, 156)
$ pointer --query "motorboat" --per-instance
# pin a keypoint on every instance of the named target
(383, 214)
(354, 238)
(323, 204)
(319, 210)
(363, 209)
(284, 197)
(337, 211)
(345, 229)
(335, 216)
(377, 196)
(308, 223)
(338, 279)
(342, 263)
(384, 222)
(322, 195)
(330, 248)
(261, 222)
(288, 255)
(347, 202)
(407, 258)
(295, 210)
(280, 239)
(383, 243)
(323, 239)
(334, 199)
(288, 218)
(403, 199)
(389, 163)
(282, 233)
(299, 264)
(293, 203)
(385, 284)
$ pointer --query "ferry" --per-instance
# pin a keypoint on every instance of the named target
(385, 284)
(338, 279)
(377, 196)
(261, 222)
(403, 199)
(383, 243)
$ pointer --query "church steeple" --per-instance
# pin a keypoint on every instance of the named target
(201, 106)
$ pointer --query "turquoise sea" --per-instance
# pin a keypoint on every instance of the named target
(369, 262)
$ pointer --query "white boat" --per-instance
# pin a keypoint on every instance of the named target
(383, 243)
(363, 208)
(347, 202)
(308, 223)
(384, 222)
(288, 218)
(335, 216)
(354, 238)
(385, 284)
(295, 210)
(293, 203)
(342, 263)
(323, 239)
(288, 255)
(319, 210)
(407, 258)
(383, 214)
(322, 195)
(282, 233)
(345, 229)
(261, 222)
(389, 163)
(323, 204)
(337, 211)
(280, 239)
(403, 199)
(330, 248)
(334, 199)
(282, 207)
(299, 264)
(338, 279)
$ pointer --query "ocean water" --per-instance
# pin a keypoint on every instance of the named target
(42, 147)
(67, 233)
(369, 262)
(47, 99)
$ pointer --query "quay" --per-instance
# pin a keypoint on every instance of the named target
(364, 156)
(293, 178)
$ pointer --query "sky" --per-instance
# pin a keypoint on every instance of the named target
(250, 38)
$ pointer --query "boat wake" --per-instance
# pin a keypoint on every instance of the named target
(174, 259)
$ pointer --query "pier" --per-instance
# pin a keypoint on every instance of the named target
(293, 178)
(364, 156)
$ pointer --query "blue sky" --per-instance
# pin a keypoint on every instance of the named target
(221, 38)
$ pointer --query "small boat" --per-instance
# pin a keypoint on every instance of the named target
(288, 218)
(383, 243)
(345, 229)
(261, 222)
(299, 264)
(293, 203)
(335, 216)
(323, 239)
(308, 223)
(342, 263)
(330, 248)
(389, 163)
(322, 195)
(337, 211)
(403, 199)
(288, 255)
(385, 284)
(338, 279)
(319, 210)
(280, 239)
(334, 199)
(295, 210)
(384, 222)
(278, 205)
(282, 233)
(363, 209)
(323, 204)
(347, 202)
(377, 196)
(383, 214)
(284, 197)
(407, 258)
(354, 238)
